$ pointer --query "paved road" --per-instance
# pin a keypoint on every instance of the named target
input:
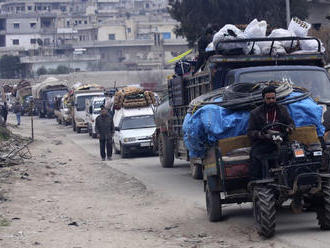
(294, 230)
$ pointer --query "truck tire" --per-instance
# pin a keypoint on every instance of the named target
(213, 205)
(196, 170)
(264, 209)
(165, 151)
(323, 210)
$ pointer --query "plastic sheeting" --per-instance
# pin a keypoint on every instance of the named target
(212, 122)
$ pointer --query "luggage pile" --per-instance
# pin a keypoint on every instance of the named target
(133, 97)
(257, 29)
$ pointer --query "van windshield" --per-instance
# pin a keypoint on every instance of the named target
(81, 101)
(317, 82)
(134, 122)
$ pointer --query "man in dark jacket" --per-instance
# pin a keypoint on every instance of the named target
(262, 143)
(4, 112)
(105, 129)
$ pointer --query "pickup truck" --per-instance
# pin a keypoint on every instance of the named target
(303, 69)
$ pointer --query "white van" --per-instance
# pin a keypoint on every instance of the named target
(93, 109)
(79, 108)
(133, 130)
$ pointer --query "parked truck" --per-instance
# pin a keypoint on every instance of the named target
(303, 69)
(45, 94)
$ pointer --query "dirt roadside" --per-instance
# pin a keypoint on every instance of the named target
(66, 198)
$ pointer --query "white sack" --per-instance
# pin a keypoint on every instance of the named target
(276, 33)
(230, 32)
(311, 46)
(256, 29)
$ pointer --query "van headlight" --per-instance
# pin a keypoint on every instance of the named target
(129, 139)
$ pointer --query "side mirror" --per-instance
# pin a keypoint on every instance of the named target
(90, 110)
(117, 129)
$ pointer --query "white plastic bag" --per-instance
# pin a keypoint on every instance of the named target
(276, 33)
(299, 27)
(256, 29)
(230, 32)
(311, 46)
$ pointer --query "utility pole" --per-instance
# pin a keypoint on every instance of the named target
(288, 17)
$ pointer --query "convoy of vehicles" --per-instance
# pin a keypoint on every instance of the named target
(93, 109)
(133, 130)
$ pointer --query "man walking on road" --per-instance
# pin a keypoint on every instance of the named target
(18, 111)
(105, 129)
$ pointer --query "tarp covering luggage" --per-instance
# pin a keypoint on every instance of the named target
(212, 122)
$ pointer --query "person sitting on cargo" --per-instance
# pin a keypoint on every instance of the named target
(202, 44)
(262, 143)
(104, 128)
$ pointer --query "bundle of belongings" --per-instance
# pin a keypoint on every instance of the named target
(227, 114)
(133, 97)
(257, 29)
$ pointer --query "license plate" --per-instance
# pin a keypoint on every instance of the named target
(145, 144)
(299, 153)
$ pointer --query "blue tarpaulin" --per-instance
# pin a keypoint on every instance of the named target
(211, 123)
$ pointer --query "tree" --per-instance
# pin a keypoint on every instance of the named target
(195, 15)
(42, 71)
(10, 66)
(61, 69)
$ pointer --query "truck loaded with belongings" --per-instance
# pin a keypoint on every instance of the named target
(297, 67)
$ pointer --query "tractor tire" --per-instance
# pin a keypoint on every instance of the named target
(323, 211)
(264, 208)
(165, 151)
(196, 170)
(213, 205)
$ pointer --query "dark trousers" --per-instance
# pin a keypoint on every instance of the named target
(108, 144)
(258, 152)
